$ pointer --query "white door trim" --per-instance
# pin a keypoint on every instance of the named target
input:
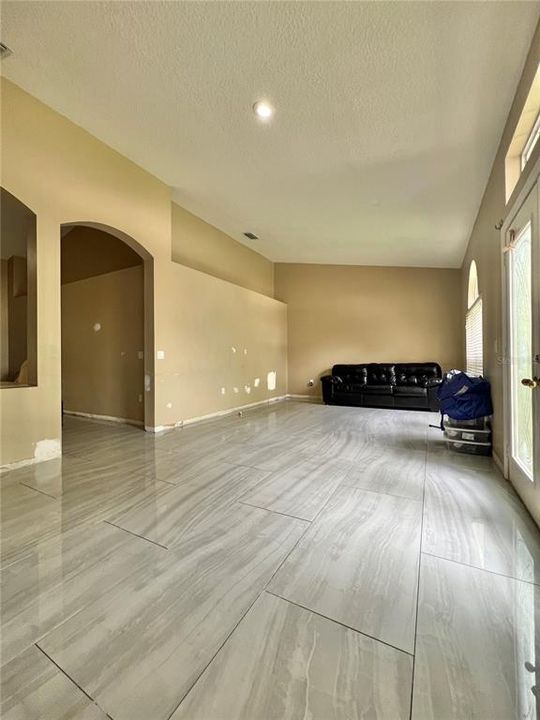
(511, 212)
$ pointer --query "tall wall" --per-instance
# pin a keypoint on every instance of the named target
(485, 248)
(348, 314)
(203, 247)
(4, 321)
(102, 338)
(65, 175)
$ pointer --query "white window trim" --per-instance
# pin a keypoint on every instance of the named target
(533, 138)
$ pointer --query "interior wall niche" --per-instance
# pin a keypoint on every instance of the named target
(18, 297)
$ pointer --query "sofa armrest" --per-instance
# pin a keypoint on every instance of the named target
(328, 383)
(331, 380)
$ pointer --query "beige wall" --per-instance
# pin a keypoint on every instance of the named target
(102, 373)
(201, 246)
(196, 318)
(4, 321)
(207, 319)
(484, 247)
(348, 314)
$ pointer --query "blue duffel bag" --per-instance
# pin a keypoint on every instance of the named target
(465, 398)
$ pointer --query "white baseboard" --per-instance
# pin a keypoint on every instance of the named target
(213, 416)
(106, 418)
(305, 398)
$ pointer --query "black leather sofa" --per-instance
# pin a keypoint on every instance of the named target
(411, 386)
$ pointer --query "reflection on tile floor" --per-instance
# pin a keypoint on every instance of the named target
(298, 561)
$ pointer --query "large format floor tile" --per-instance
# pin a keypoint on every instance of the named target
(277, 456)
(139, 648)
(167, 518)
(286, 662)
(358, 564)
(51, 476)
(33, 688)
(476, 632)
(300, 490)
(30, 517)
(310, 516)
(26, 517)
(388, 469)
(473, 516)
(63, 575)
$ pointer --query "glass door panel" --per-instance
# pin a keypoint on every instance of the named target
(520, 307)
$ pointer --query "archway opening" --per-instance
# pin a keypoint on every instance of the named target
(107, 330)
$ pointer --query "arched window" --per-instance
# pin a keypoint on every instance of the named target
(474, 345)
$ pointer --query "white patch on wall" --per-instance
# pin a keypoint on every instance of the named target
(47, 449)
(235, 390)
(147, 383)
(169, 405)
(97, 327)
(140, 398)
(160, 354)
(233, 349)
(223, 391)
(245, 351)
(271, 380)
(257, 382)
(140, 355)
(247, 388)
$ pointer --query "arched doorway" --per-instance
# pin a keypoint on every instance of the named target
(107, 325)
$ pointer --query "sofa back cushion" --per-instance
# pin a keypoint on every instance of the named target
(401, 374)
(417, 374)
(381, 374)
(356, 374)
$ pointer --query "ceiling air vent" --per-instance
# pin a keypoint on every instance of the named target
(251, 236)
(4, 51)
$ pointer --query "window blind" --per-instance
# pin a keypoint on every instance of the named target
(474, 341)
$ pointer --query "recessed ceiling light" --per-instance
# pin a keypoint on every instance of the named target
(251, 236)
(263, 109)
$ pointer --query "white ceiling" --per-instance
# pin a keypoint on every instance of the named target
(388, 114)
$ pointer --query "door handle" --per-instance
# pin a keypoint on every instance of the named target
(531, 382)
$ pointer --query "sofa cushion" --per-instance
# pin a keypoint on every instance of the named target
(378, 389)
(381, 374)
(410, 391)
(356, 374)
(416, 374)
(356, 386)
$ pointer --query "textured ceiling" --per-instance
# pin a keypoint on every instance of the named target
(388, 115)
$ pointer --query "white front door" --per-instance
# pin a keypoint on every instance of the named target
(522, 271)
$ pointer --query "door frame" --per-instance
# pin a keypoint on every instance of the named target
(516, 203)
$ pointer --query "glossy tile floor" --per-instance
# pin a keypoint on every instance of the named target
(300, 561)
